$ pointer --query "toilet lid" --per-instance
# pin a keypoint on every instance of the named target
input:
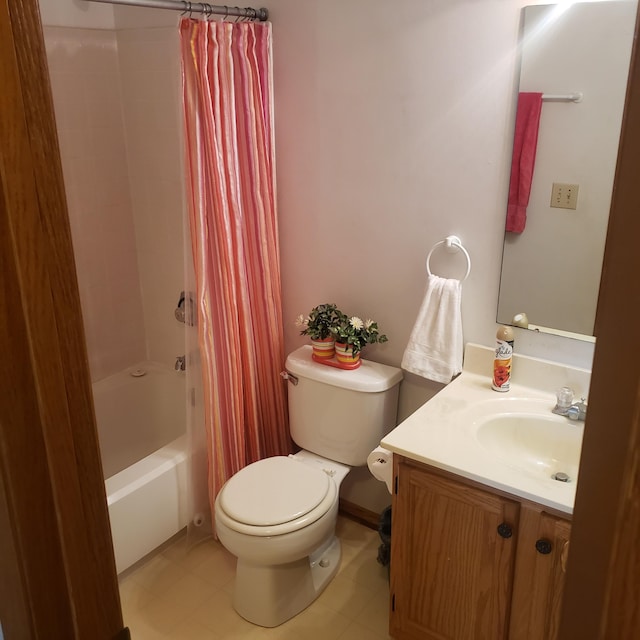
(273, 491)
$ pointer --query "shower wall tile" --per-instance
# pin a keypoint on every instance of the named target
(150, 80)
(84, 72)
(116, 97)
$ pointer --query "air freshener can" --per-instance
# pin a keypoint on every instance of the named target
(502, 361)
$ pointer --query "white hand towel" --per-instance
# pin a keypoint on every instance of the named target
(436, 345)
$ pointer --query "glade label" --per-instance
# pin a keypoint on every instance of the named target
(502, 366)
(504, 350)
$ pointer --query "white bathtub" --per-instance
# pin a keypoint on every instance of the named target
(143, 442)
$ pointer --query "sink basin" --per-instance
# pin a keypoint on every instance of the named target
(543, 445)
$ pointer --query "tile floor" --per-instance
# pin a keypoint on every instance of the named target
(186, 595)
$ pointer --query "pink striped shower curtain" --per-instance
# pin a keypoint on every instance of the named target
(230, 175)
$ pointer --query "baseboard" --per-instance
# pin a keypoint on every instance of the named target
(359, 514)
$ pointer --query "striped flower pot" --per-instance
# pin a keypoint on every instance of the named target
(345, 356)
(324, 348)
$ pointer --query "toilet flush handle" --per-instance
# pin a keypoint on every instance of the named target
(290, 377)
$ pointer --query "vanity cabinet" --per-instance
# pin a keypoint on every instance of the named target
(541, 564)
(464, 563)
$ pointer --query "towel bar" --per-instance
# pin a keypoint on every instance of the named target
(452, 243)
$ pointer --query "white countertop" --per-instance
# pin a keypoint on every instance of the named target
(442, 432)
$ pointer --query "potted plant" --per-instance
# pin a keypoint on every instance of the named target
(319, 325)
(352, 335)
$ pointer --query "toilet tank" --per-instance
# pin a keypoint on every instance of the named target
(341, 414)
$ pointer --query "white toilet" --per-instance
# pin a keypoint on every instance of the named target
(278, 515)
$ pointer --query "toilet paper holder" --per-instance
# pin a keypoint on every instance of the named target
(380, 465)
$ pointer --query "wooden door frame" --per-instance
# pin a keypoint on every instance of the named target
(56, 557)
(602, 597)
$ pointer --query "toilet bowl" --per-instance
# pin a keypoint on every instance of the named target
(278, 517)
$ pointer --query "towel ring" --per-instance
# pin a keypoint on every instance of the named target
(452, 244)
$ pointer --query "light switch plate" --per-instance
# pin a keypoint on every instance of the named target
(564, 196)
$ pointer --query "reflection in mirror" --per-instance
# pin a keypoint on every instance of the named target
(551, 270)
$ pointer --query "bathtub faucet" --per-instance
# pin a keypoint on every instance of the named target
(181, 363)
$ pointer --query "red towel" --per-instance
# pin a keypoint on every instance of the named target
(525, 142)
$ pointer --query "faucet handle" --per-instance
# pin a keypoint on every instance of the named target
(564, 397)
(573, 413)
(578, 410)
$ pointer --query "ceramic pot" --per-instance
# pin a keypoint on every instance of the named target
(345, 356)
(324, 348)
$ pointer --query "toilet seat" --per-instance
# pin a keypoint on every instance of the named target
(275, 496)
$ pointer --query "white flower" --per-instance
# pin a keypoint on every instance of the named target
(301, 321)
(368, 323)
(356, 323)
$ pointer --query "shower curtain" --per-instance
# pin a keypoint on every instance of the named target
(231, 197)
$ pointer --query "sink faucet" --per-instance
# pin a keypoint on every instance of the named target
(577, 411)
(565, 406)
(181, 363)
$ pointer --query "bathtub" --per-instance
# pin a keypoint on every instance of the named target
(142, 431)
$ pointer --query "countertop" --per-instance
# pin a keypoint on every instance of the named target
(442, 433)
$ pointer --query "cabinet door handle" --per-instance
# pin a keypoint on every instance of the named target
(505, 530)
(564, 556)
(543, 546)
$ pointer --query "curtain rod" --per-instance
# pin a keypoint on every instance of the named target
(195, 7)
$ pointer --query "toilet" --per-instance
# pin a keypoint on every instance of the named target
(278, 515)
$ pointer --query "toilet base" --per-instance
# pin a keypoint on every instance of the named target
(270, 595)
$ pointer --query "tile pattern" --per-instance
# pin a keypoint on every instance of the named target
(182, 594)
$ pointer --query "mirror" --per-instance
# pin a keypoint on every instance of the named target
(551, 270)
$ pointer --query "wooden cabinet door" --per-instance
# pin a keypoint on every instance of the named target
(451, 571)
(543, 547)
